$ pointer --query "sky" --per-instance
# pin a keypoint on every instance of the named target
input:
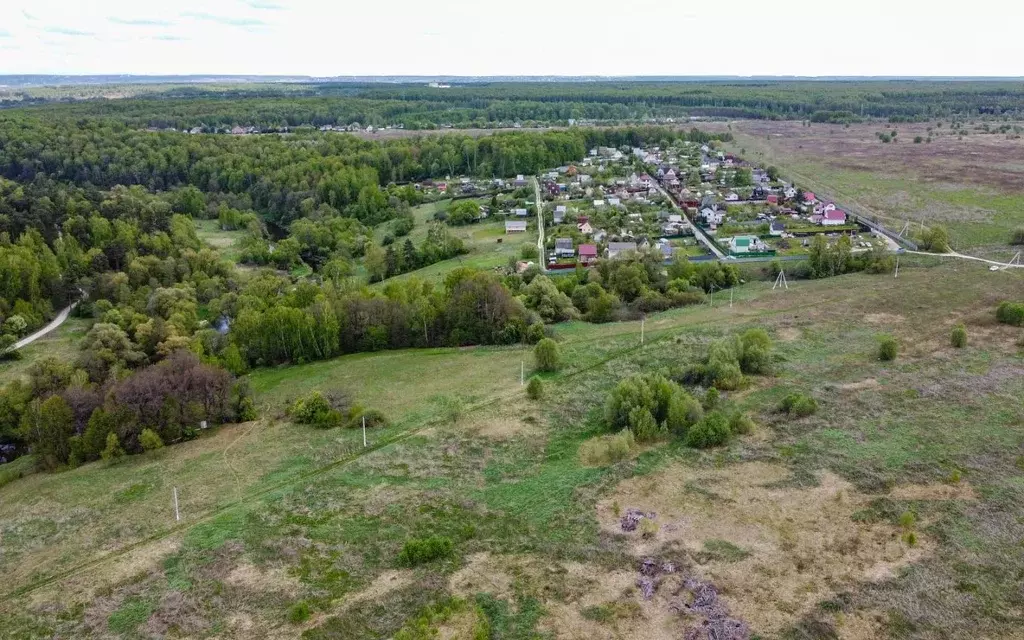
(527, 37)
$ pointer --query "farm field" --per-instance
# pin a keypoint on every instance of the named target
(970, 184)
(803, 526)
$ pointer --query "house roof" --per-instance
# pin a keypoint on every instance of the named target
(563, 243)
(588, 250)
(778, 226)
(809, 197)
(742, 241)
(835, 214)
(515, 224)
(622, 246)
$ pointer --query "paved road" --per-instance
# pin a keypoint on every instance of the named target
(56, 322)
(541, 252)
(703, 237)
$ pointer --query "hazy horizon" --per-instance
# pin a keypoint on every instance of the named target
(791, 38)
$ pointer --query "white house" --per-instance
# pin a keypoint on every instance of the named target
(711, 216)
(614, 202)
(515, 226)
(833, 218)
(598, 203)
(732, 197)
(521, 213)
(746, 244)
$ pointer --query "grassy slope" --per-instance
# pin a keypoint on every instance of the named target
(310, 524)
(225, 242)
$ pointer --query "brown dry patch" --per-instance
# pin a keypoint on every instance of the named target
(802, 543)
(567, 589)
(789, 334)
(958, 491)
(461, 626)
(144, 559)
(883, 318)
(868, 383)
(382, 585)
(250, 577)
(504, 422)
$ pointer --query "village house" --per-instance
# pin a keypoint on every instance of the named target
(587, 253)
(585, 228)
(614, 202)
(772, 199)
(617, 249)
(600, 235)
(776, 228)
(712, 216)
(563, 248)
(559, 214)
(521, 213)
(520, 181)
(515, 226)
(746, 244)
(833, 217)
(731, 197)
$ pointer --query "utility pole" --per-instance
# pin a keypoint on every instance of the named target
(364, 431)
(897, 274)
(730, 298)
(177, 514)
(642, 319)
(522, 373)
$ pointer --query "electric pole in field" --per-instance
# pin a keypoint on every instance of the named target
(780, 281)
(177, 514)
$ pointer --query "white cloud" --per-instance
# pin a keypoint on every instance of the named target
(530, 37)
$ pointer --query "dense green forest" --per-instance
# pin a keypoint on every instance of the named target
(491, 104)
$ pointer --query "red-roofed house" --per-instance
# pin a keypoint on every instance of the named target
(587, 253)
(833, 217)
(773, 199)
(809, 198)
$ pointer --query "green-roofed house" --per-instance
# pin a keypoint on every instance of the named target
(746, 244)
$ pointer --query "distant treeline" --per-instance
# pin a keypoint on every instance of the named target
(282, 177)
(480, 104)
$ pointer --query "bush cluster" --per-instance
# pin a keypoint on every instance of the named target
(535, 389)
(419, 551)
(888, 348)
(729, 359)
(547, 355)
(1011, 313)
(651, 406)
(324, 412)
(958, 338)
(799, 405)
(607, 449)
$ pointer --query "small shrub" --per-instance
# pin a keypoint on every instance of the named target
(150, 440)
(910, 538)
(547, 355)
(1018, 236)
(907, 520)
(711, 399)
(887, 348)
(799, 405)
(535, 333)
(1011, 313)
(535, 389)
(606, 450)
(451, 407)
(958, 338)
(314, 409)
(740, 424)
(374, 418)
(298, 612)
(712, 431)
(648, 528)
(422, 550)
(113, 452)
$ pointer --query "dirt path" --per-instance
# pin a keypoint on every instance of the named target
(56, 322)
